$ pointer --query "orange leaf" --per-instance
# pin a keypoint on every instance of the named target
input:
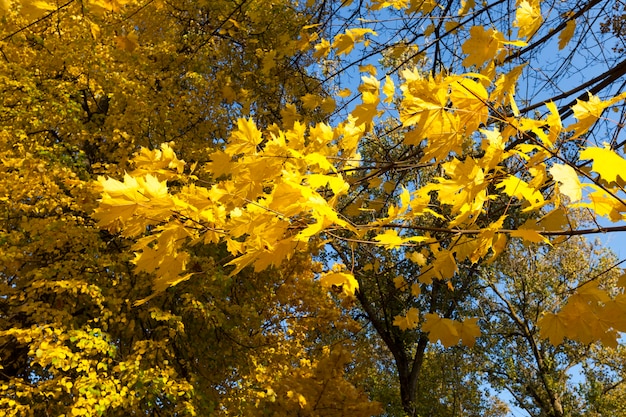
(567, 33)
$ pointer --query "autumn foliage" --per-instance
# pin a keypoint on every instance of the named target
(198, 210)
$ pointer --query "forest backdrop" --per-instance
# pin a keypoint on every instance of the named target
(312, 208)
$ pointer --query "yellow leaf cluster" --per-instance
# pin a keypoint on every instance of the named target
(408, 321)
(271, 189)
(425, 108)
(344, 281)
(484, 45)
(345, 42)
(588, 316)
(263, 210)
(450, 332)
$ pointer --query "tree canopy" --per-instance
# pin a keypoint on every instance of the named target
(299, 208)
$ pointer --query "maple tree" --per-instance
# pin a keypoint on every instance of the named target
(79, 98)
(190, 149)
(541, 376)
(448, 384)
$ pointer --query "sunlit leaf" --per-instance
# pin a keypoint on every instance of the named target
(570, 184)
(528, 18)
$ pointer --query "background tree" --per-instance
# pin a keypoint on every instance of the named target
(391, 287)
(544, 379)
(84, 85)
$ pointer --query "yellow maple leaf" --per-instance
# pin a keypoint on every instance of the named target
(483, 45)
(487, 240)
(616, 309)
(134, 203)
(405, 198)
(591, 292)
(287, 198)
(228, 93)
(128, 42)
(469, 331)
(342, 280)
(388, 89)
(604, 204)
(470, 100)
(246, 138)
(220, 163)
(269, 61)
(311, 101)
(530, 235)
(344, 93)
(365, 112)
(570, 184)
(466, 6)
(322, 49)
(161, 162)
(417, 258)
(452, 26)
(328, 105)
(566, 34)
(520, 189)
(235, 247)
(416, 290)
(493, 147)
(588, 112)
(555, 123)
(442, 267)
(425, 109)
(553, 220)
(408, 321)
(336, 183)
(552, 326)
(152, 188)
(442, 329)
(528, 19)
(344, 42)
(581, 320)
(606, 162)
(399, 282)
(504, 92)
(369, 68)
(316, 158)
(391, 239)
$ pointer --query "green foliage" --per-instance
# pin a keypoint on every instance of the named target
(543, 378)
